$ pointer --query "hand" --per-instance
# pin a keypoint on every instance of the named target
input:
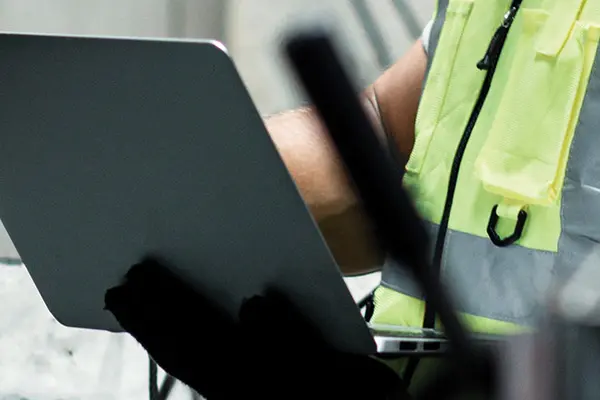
(272, 352)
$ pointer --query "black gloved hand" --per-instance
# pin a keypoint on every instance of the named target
(272, 353)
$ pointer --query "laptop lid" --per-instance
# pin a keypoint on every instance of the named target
(121, 147)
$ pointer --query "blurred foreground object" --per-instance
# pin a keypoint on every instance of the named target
(198, 343)
(561, 361)
(377, 181)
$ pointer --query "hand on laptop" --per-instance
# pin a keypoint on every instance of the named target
(272, 352)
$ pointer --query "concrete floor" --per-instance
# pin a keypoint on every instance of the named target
(43, 360)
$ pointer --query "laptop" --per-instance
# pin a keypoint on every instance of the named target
(120, 147)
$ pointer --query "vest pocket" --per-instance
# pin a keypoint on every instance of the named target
(524, 156)
(431, 103)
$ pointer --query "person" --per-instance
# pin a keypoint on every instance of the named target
(494, 111)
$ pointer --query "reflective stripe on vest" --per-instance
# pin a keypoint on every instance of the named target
(535, 147)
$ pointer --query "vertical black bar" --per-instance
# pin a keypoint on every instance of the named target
(378, 183)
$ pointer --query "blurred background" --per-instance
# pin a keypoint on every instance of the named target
(39, 359)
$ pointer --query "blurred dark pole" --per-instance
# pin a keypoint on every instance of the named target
(375, 176)
(374, 35)
(409, 19)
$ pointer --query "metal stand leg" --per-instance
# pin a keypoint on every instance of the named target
(166, 387)
(407, 15)
(373, 33)
(162, 392)
(152, 380)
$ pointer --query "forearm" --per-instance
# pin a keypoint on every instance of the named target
(312, 160)
(391, 102)
(325, 186)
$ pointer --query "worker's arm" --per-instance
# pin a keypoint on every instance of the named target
(392, 102)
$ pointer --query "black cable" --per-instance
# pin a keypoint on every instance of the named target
(366, 300)
(488, 63)
(370, 309)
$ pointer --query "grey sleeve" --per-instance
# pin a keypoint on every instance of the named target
(425, 36)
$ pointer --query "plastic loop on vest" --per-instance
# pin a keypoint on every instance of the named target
(516, 235)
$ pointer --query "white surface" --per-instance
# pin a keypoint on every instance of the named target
(41, 359)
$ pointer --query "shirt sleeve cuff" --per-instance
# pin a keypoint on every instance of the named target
(426, 35)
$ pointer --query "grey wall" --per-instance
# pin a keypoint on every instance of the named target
(189, 18)
(256, 28)
(251, 29)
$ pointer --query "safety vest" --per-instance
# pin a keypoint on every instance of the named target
(505, 167)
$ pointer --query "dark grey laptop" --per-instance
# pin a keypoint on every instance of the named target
(116, 147)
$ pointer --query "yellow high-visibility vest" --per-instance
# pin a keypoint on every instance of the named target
(503, 148)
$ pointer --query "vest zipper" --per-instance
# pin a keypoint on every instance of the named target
(488, 63)
(490, 59)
